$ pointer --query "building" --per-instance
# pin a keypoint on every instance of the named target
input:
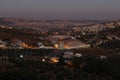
(66, 42)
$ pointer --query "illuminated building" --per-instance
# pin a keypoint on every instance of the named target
(66, 42)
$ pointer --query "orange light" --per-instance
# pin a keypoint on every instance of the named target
(65, 46)
(69, 63)
(54, 60)
(25, 45)
(56, 45)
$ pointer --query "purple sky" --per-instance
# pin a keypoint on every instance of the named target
(61, 9)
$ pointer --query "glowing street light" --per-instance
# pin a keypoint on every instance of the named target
(43, 60)
(21, 56)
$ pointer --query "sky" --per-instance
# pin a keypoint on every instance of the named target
(61, 9)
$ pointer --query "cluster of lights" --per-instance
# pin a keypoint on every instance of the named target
(53, 60)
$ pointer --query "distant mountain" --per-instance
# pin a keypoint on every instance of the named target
(43, 25)
(6, 21)
(56, 25)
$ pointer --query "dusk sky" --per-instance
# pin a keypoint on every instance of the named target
(61, 9)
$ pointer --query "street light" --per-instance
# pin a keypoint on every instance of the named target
(21, 56)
